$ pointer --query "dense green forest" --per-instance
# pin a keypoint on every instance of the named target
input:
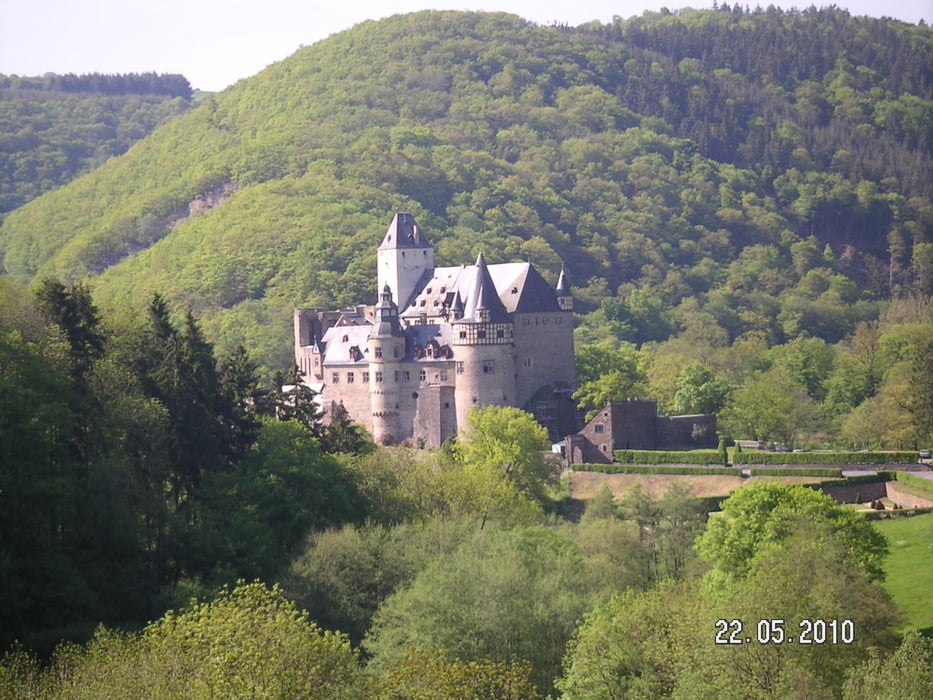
(57, 127)
(711, 180)
(140, 472)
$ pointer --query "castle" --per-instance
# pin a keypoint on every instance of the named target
(439, 341)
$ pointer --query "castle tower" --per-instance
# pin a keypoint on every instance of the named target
(484, 350)
(564, 299)
(386, 352)
(403, 256)
(307, 326)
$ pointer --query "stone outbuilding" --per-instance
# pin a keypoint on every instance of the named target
(636, 425)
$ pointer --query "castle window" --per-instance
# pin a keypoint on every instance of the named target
(481, 333)
(396, 351)
(317, 361)
(422, 376)
(500, 333)
(489, 367)
(335, 378)
(526, 321)
(346, 338)
(460, 368)
(406, 376)
(379, 351)
(365, 377)
(527, 362)
(599, 428)
(397, 376)
(442, 375)
(378, 377)
(463, 334)
(350, 378)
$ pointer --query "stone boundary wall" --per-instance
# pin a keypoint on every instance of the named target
(906, 499)
(857, 493)
(871, 491)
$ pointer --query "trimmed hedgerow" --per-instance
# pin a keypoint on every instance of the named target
(870, 478)
(918, 482)
(796, 471)
(840, 458)
(656, 469)
(699, 457)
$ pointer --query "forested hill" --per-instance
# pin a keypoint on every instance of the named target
(738, 172)
(54, 128)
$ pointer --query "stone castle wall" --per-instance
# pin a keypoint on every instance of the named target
(543, 353)
(695, 432)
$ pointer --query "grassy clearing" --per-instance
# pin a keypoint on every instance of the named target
(910, 567)
(585, 485)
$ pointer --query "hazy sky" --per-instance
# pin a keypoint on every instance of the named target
(214, 43)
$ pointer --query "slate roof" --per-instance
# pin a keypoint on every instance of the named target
(338, 343)
(482, 296)
(519, 286)
(403, 233)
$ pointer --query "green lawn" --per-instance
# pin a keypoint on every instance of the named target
(910, 567)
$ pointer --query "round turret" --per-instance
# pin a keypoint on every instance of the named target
(483, 347)
(386, 350)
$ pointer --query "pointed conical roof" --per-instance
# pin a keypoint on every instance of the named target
(457, 306)
(403, 232)
(387, 323)
(562, 289)
(483, 295)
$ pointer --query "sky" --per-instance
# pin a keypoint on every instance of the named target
(215, 43)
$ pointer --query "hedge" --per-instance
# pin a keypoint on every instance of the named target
(701, 457)
(872, 478)
(841, 458)
(796, 471)
(655, 469)
(918, 482)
